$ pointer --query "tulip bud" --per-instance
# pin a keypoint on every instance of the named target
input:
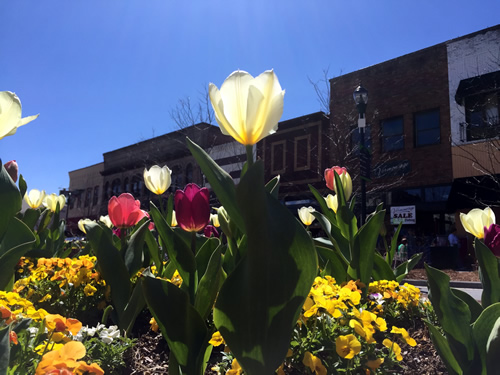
(106, 220)
(34, 198)
(214, 218)
(344, 177)
(124, 211)
(332, 202)
(157, 179)
(83, 222)
(12, 169)
(247, 108)
(174, 220)
(305, 215)
(52, 200)
(192, 207)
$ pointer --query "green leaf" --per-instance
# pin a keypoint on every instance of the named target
(209, 285)
(493, 348)
(180, 323)
(16, 242)
(332, 261)
(134, 253)
(273, 186)
(337, 239)
(154, 251)
(405, 267)
(444, 350)
(4, 348)
(220, 181)
(10, 199)
(23, 186)
(260, 301)
(475, 308)
(453, 314)
(381, 270)
(327, 211)
(394, 245)
(363, 250)
(30, 217)
(178, 251)
(135, 305)
(111, 266)
(205, 253)
(482, 329)
(489, 265)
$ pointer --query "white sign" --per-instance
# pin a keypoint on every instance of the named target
(403, 214)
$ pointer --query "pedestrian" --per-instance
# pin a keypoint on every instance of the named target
(401, 253)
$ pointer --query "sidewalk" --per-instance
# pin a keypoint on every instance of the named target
(474, 289)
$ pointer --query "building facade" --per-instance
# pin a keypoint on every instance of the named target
(432, 116)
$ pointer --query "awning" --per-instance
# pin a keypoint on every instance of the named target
(476, 85)
(474, 192)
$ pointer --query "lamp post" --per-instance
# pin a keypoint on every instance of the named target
(361, 99)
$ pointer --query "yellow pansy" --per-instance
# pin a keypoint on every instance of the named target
(404, 333)
(375, 364)
(314, 364)
(216, 339)
(395, 348)
(347, 346)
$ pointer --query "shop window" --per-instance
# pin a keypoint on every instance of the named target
(482, 116)
(392, 134)
(427, 130)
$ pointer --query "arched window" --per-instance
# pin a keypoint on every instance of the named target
(116, 186)
(95, 198)
(136, 186)
(177, 177)
(106, 191)
(126, 185)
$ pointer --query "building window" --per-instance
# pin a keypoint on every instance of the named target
(177, 176)
(95, 199)
(136, 186)
(116, 187)
(106, 191)
(189, 173)
(392, 134)
(126, 185)
(302, 153)
(481, 113)
(427, 131)
(88, 194)
(355, 138)
(278, 159)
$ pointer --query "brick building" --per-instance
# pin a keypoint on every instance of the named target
(416, 116)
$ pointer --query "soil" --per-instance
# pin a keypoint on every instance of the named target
(419, 274)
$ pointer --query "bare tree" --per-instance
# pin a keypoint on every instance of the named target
(186, 112)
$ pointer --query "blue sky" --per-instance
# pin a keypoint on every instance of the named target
(105, 74)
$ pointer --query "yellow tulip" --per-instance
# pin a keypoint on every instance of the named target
(82, 222)
(247, 108)
(332, 202)
(475, 221)
(51, 201)
(34, 198)
(10, 114)
(214, 218)
(305, 215)
(158, 179)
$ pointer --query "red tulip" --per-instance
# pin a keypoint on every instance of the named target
(124, 211)
(192, 209)
(12, 169)
(492, 238)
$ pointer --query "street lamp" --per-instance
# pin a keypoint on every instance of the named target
(361, 99)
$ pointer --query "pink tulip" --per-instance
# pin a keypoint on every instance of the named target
(12, 169)
(492, 238)
(192, 209)
(344, 177)
(124, 211)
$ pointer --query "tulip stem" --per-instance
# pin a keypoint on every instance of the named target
(250, 160)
